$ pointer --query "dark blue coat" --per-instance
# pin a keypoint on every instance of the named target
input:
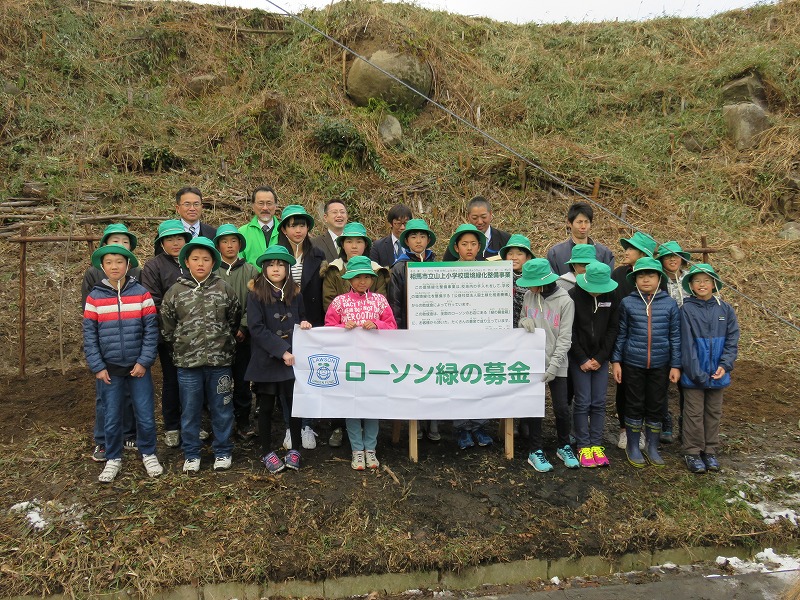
(271, 327)
(648, 341)
(709, 339)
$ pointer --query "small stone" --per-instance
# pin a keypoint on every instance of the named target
(745, 122)
(390, 130)
(790, 231)
(737, 254)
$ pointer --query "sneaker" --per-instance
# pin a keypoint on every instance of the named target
(203, 435)
(191, 465)
(539, 462)
(695, 464)
(358, 460)
(371, 459)
(273, 463)
(568, 457)
(151, 464)
(483, 438)
(420, 432)
(246, 432)
(99, 454)
(309, 438)
(600, 458)
(130, 444)
(287, 440)
(586, 458)
(622, 442)
(710, 461)
(434, 435)
(110, 471)
(666, 436)
(172, 438)
(337, 436)
(465, 440)
(292, 460)
(222, 463)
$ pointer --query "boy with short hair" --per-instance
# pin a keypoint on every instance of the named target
(200, 316)
(120, 337)
(710, 340)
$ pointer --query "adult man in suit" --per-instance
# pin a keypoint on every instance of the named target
(579, 225)
(479, 213)
(261, 231)
(335, 218)
(189, 206)
(386, 250)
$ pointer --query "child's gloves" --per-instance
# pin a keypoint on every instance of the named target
(528, 324)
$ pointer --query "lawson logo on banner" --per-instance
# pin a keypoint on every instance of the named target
(323, 370)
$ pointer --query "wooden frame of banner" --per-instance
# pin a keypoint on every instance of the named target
(505, 432)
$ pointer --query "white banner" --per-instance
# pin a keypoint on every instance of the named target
(403, 374)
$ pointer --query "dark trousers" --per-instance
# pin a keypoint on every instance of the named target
(242, 397)
(170, 399)
(266, 396)
(645, 393)
(558, 396)
(620, 401)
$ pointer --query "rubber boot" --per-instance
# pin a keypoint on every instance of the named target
(633, 429)
(653, 436)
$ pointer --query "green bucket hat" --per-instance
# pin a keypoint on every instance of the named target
(171, 227)
(295, 210)
(359, 265)
(517, 241)
(118, 228)
(354, 229)
(228, 229)
(597, 279)
(417, 225)
(645, 264)
(199, 242)
(536, 273)
(582, 254)
(701, 268)
(641, 241)
(276, 252)
(672, 247)
(97, 255)
(462, 229)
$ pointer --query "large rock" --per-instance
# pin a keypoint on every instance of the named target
(365, 82)
(745, 122)
(390, 130)
(204, 84)
(748, 89)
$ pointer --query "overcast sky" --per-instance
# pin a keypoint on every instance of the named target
(524, 11)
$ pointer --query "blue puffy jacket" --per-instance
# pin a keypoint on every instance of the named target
(710, 339)
(648, 341)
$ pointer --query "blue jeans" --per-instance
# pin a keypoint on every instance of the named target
(215, 386)
(242, 396)
(589, 406)
(112, 395)
(128, 420)
(363, 433)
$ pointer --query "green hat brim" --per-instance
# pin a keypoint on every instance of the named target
(526, 283)
(353, 272)
(131, 237)
(173, 231)
(697, 270)
(504, 250)
(97, 255)
(238, 234)
(343, 237)
(200, 242)
(631, 277)
(272, 253)
(684, 255)
(451, 247)
(408, 230)
(297, 213)
(609, 286)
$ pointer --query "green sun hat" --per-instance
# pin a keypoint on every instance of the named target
(118, 228)
(645, 264)
(641, 241)
(354, 230)
(295, 210)
(200, 242)
(462, 229)
(276, 252)
(97, 255)
(582, 254)
(536, 273)
(359, 265)
(417, 225)
(517, 241)
(701, 268)
(229, 229)
(171, 227)
(597, 279)
(672, 247)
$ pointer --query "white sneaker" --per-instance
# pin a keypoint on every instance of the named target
(110, 470)
(191, 465)
(222, 463)
(622, 442)
(172, 438)
(151, 464)
(309, 437)
(358, 460)
(287, 440)
(371, 459)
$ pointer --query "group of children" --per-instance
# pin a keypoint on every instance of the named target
(222, 329)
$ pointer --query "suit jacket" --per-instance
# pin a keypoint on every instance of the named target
(206, 230)
(382, 251)
(499, 239)
(324, 242)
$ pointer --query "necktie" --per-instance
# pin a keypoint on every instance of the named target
(397, 248)
(193, 230)
(267, 233)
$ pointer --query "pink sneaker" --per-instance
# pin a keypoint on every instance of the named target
(600, 456)
(586, 458)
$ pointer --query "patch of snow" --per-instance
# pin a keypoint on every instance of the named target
(766, 561)
(555, 581)
(40, 515)
(412, 593)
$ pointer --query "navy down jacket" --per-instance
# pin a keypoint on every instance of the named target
(648, 339)
(709, 339)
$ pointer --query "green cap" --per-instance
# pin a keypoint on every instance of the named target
(641, 241)
(199, 242)
(536, 273)
(517, 241)
(275, 252)
(701, 268)
(359, 265)
(582, 254)
(417, 225)
(462, 229)
(295, 210)
(97, 255)
(672, 247)
(171, 227)
(354, 230)
(597, 279)
(645, 263)
(228, 229)
(118, 228)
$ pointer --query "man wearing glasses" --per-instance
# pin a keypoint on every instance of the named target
(387, 250)
(262, 230)
(189, 206)
(335, 217)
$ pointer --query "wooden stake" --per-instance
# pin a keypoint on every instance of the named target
(413, 453)
(23, 267)
(596, 189)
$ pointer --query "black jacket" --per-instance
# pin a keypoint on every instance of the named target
(271, 327)
(594, 327)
